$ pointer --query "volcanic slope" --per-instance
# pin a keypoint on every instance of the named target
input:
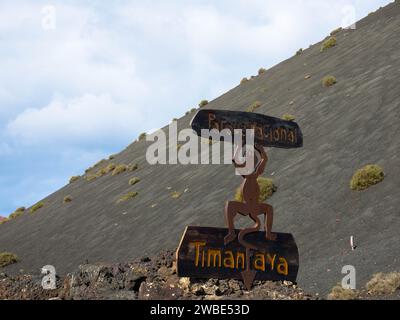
(346, 126)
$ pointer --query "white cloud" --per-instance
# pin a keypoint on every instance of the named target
(88, 118)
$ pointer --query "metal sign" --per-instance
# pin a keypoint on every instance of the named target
(246, 254)
(202, 253)
(268, 131)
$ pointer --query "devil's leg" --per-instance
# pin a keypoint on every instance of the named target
(232, 208)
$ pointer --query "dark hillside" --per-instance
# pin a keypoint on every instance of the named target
(346, 126)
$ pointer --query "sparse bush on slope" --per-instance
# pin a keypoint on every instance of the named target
(267, 189)
(133, 181)
(244, 80)
(176, 194)
(7, 258)
(36, 207)
(67, 199)
(329, 81)
(384, 283)
(366, 177)
(339, 293)
(19, 212)
(203, 103)
(73, 179)
(133, 167)
(128, 196)
(261, 71)
(288, 117)
(119, 169)
(142, 136)
(329, 43)
(254, 106)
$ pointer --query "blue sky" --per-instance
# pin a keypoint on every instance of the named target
(81, 79)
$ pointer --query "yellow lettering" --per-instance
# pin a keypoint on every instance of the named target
(214, 254)
(277, 136)
(283, 134)
(240, 255)
(229, 260)
(259, 262)
(282, 267)
(271, 260)
(197, 245)
(291, 137)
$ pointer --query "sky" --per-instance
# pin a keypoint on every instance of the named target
(80, 80)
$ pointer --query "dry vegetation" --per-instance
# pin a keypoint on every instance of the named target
(128, 196)
(203, 103)
(262, 71)
(366, 177)
(67, 199)
(267, 189)
(339, 293)
(329, 81)
(288, 117)
(134, 181)
(384, 283)
(176, 194)
(36, 207)
(329, 43)
(119, 169)
(73, 179)
(254, 106)
(7, 258)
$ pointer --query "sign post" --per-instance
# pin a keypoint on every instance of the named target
(246, 254)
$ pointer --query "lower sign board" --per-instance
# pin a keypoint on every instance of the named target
(268, 131)
(202, 254)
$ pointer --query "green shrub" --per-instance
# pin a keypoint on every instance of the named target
(73, 179)
(90, 177)
(111, 157)
(339, 293)
(254, 106)
(128, 196)
(119, 169)
(203, 103)
(261, 71)
(267, 189)
(142, 136)
(244, 80)
(299, 52)
(36, 207)
(366, 177)
(19, 212)
(384, 283)
(103, 171)
(329, 43)
(133, 181)
(288, 117)
(7, 258)
(67, 199)
(133, 167)
(329, 81)
(176, 194)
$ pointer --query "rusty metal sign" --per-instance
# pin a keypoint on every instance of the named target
(268, 131)
(246, 254)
